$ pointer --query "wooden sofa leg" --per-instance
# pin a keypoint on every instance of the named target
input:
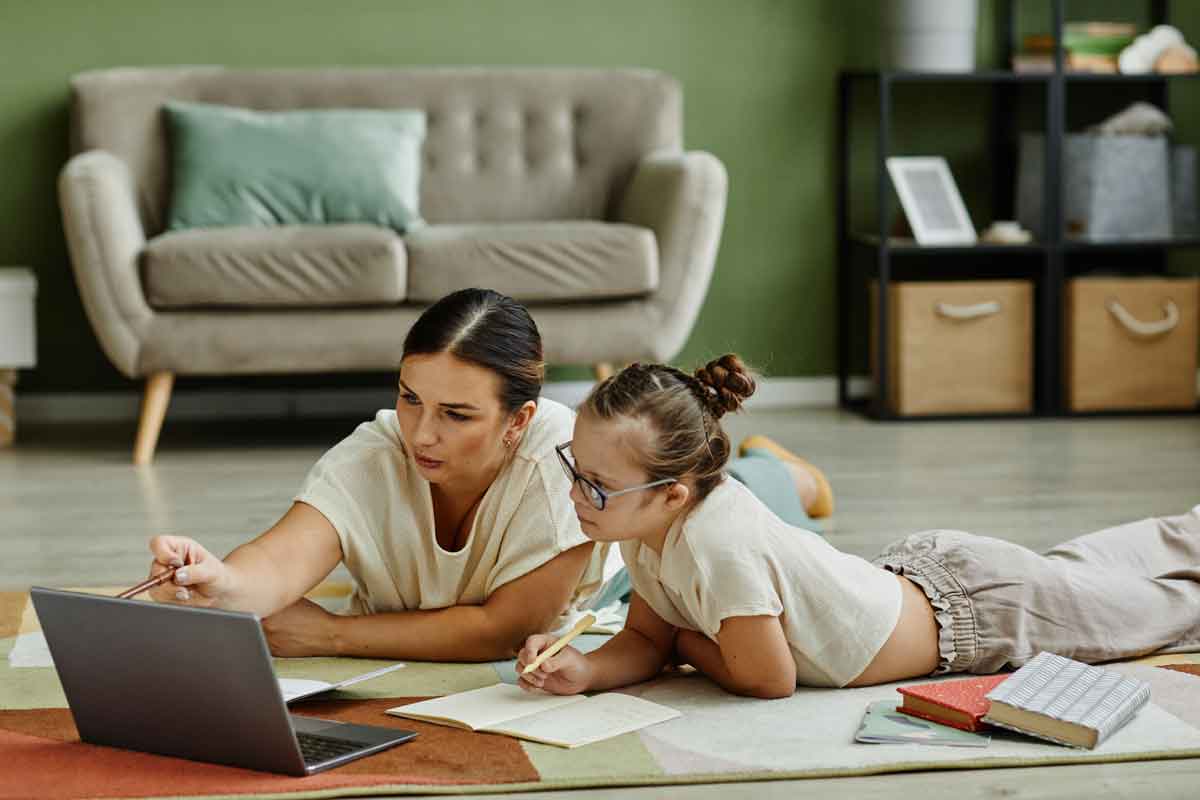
(154, 410)
(602, 370)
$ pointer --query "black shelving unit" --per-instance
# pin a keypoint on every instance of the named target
(1048, 262)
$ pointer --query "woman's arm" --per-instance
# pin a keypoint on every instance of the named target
(750, 657)
(491, 631)
(263, 576)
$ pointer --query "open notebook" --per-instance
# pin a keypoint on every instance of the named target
(560, 720)
(299, 688)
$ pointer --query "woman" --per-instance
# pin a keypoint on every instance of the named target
(451, 512)
(722, 583)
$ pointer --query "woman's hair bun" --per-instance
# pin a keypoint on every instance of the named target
(727, 382)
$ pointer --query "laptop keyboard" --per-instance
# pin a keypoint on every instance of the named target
(317, 749)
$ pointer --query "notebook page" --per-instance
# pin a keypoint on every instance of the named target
(600, 717)
(481, 708)
(299, 687)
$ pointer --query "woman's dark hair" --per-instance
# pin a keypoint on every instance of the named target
(490, 330)
(683, 413)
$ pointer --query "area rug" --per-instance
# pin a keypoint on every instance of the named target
(719, 737)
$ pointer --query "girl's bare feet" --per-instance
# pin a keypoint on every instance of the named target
(815, 492)
(806, 484)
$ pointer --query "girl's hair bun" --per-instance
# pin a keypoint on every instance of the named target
(727, 383)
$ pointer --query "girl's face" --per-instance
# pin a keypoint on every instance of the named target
(452, 420)
(605, 454)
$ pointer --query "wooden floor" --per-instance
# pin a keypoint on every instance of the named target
(73, 511)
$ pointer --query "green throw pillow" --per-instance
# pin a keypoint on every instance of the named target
(234, 166)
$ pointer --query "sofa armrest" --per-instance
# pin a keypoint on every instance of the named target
(681, 197)
(104, 237)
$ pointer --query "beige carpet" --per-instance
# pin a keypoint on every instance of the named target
(719, 738)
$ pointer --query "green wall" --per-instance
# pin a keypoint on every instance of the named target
(759, 79)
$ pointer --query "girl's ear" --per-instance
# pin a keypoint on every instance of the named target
(677, 496)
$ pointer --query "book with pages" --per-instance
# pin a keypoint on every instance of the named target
(1066, 701)
(302, 688)
(559, 720)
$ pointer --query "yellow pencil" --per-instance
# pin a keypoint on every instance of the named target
(586, 622)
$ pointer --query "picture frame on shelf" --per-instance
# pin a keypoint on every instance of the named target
(931, 201)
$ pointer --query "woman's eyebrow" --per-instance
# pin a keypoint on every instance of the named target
(455, 406)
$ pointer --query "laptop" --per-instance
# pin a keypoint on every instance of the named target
(194, 683)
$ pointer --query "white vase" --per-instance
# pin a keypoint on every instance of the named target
(929, 35)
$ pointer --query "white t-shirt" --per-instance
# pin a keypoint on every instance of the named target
(730, 556)
(369, 489)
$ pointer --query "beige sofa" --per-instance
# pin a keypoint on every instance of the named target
(568, 189)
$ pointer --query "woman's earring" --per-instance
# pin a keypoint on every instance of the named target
(507, 442)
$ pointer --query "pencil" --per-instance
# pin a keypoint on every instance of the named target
(149, 583)
(586, 622)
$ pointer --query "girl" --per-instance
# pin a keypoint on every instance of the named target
(721, 583)
(450, 512)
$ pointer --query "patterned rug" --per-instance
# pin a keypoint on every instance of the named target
(719, 737)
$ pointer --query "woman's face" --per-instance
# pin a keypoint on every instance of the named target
(451, 418)
(605, 454)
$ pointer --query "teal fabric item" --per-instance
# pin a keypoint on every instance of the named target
(235, 166)
(771, 482)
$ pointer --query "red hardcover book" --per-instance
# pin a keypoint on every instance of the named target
(959, 704)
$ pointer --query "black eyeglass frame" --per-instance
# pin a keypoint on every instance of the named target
(597, 497)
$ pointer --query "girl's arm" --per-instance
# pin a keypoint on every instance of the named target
(637, 653)
(750, 657)
(492, 631)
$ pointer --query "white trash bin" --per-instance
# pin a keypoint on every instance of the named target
(929, 35)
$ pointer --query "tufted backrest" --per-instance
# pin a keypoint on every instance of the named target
(503, 144)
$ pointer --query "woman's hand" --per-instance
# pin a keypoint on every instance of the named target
(301, 629)
(566, 672)
(200, 579)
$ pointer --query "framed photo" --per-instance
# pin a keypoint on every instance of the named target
(930, 199)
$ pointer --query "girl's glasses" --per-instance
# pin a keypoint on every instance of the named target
(597, 497)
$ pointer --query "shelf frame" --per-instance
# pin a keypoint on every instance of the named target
(1056, 251)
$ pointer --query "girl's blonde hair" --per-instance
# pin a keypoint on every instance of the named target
(682, 413)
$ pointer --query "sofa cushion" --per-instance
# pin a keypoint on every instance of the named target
(535, 262)
(288, 266)
(236, 166)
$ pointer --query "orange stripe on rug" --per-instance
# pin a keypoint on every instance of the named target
(11, 606)
(41, 756)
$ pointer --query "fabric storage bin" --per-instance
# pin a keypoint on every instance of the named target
(1131, 343)
(1114, 187)
(958, 347)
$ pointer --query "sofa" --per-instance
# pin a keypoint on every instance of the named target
(568, 189)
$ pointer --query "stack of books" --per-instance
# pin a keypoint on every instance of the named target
(1094, 46)
(1051, 697)
(1036, 54)
(1088, 46)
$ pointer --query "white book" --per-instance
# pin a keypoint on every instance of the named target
(1066, 701)
(559, 720)
(300, 688)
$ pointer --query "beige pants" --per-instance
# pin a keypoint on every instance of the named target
(1118, 593)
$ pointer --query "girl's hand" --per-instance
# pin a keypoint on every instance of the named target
(301, 629)
(566, 672)
(200, 579)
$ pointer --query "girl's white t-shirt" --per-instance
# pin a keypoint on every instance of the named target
(730, 556)
(369, 489)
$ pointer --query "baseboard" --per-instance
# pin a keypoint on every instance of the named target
(230, 404)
